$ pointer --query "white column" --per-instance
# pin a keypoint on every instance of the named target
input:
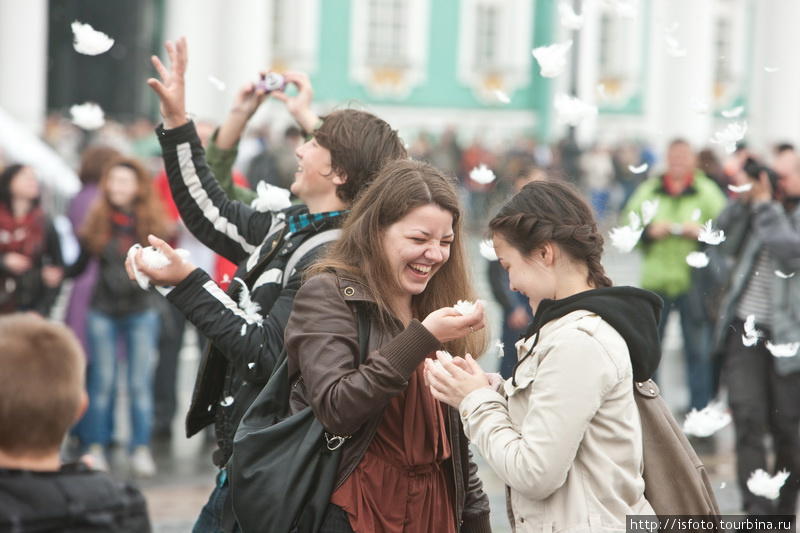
(23, 61)
(774, 103)
(689, 77)
(229, 41)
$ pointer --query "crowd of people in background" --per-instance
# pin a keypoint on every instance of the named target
(128, 196)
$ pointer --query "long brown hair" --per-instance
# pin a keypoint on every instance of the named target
(147, 207)
(553, 211)
(401, 187)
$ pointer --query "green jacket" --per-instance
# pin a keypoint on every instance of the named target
(664, 267)
(220, 161)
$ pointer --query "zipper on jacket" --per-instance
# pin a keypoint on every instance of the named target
(268, 257)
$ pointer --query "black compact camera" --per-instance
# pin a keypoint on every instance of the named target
(754, 169)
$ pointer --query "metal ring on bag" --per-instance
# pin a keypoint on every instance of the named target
(335, 441)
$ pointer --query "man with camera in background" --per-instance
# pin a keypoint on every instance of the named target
(762, 365)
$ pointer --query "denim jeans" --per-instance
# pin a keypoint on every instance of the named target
(210, 519)
(696, 346)
(140, 333)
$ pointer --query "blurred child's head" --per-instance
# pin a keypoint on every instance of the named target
(41, 384)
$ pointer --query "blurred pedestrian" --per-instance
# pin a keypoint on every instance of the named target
(761, 365)
(124, 213)
(31, 267)
(686, 198)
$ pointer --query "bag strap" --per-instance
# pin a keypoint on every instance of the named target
(323, 237)
(336, 441)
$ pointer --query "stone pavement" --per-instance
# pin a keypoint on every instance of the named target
(185, 479)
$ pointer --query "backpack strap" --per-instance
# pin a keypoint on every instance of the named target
(309, 244)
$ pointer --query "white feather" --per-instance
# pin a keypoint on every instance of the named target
(771, 69)
(446, 356)
(227, 402)
(699, 106)
(482, 174)
(707, 421)
(572, 110)
(623, 8)
(649, 210)
(751, 335)
(762, 484)
(569, 19)
(465, 307)
(784, 275)
(709, 235)
(696, 214)
(500, 349)
(638, 170)
(486, 248)
(89, 41)
(732, 134)
(634, 220)
(733, 112)
(216, 82)
(624, 238)
(552, 59)
(251, 309)
(697, 260)
(88, 116)
(674, 49)
(502, 97)
(270, 198)
(783, 350)
(152, 258)
(740, 188)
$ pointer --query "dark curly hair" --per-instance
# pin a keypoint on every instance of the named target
(553, 211)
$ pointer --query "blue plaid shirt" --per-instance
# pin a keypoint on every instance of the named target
(298, 222)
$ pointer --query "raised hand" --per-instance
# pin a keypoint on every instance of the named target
(171, 87)
(300, 104)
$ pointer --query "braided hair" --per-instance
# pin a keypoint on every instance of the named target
(553, 211)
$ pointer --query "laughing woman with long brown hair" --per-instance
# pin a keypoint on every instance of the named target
(124, 213)
(401, 258)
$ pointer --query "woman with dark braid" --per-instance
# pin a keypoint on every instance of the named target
(564, 432)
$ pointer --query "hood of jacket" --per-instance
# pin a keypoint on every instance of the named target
(633, 312)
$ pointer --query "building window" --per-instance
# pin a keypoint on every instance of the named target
(387, 33)
(731, 41)
(620, 46)
(389, 46)
(291, 18)
(486, 36)
(494, 46)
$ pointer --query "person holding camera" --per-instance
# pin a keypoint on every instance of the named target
(762, 368)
